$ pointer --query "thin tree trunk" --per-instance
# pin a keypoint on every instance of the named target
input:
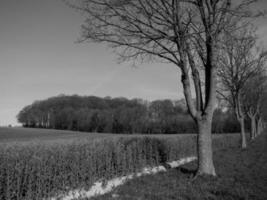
(258, 126)
(204, 145)
(48, 120)
(253, 127)
(243, 133)
(241, 118)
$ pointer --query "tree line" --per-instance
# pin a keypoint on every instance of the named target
(118, 115)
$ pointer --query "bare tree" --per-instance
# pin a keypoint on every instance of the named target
(186, 33)
(240, 62)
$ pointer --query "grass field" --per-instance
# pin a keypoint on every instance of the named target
(39, 163)
(46, 136)
(241, 175)
(21, 135)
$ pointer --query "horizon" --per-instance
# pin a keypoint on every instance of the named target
(40, 58)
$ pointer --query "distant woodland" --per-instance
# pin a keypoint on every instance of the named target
(118, 115)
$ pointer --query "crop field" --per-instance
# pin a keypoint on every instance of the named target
(28, 135)
(20, 135)
(38, 163)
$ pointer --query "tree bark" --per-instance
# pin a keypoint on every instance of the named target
(259, 126)
(253, 128)
(241, 118)
(204, 122)
(242, 133)
(204, 147)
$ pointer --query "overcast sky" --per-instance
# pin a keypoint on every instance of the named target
(39, 59)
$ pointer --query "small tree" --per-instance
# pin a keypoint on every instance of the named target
(186, 33)
(252, 98)
(240, 62)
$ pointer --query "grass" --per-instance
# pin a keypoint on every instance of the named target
(37, 163)
(28, 135)
(242, 175)
(19, 134)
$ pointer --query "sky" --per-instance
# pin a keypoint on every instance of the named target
(40, 58)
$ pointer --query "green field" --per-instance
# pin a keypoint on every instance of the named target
(40, 163)
(241, 175)
(21, 135)
(28, 135)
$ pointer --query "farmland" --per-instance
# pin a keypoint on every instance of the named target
(242, 174)
(37, 163)
(28, 135)
(111, 132)
(48, 136)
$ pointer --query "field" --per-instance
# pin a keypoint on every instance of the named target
(20, 135)
(38, 163)
(29, 135)
(241, 175)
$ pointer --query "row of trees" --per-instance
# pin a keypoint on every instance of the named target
(190, 34)
(118, 115)
(243, 78)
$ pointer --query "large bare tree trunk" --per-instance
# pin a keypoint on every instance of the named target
(204, 146)
(242, 133)
(204, 121)
(202, 113)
